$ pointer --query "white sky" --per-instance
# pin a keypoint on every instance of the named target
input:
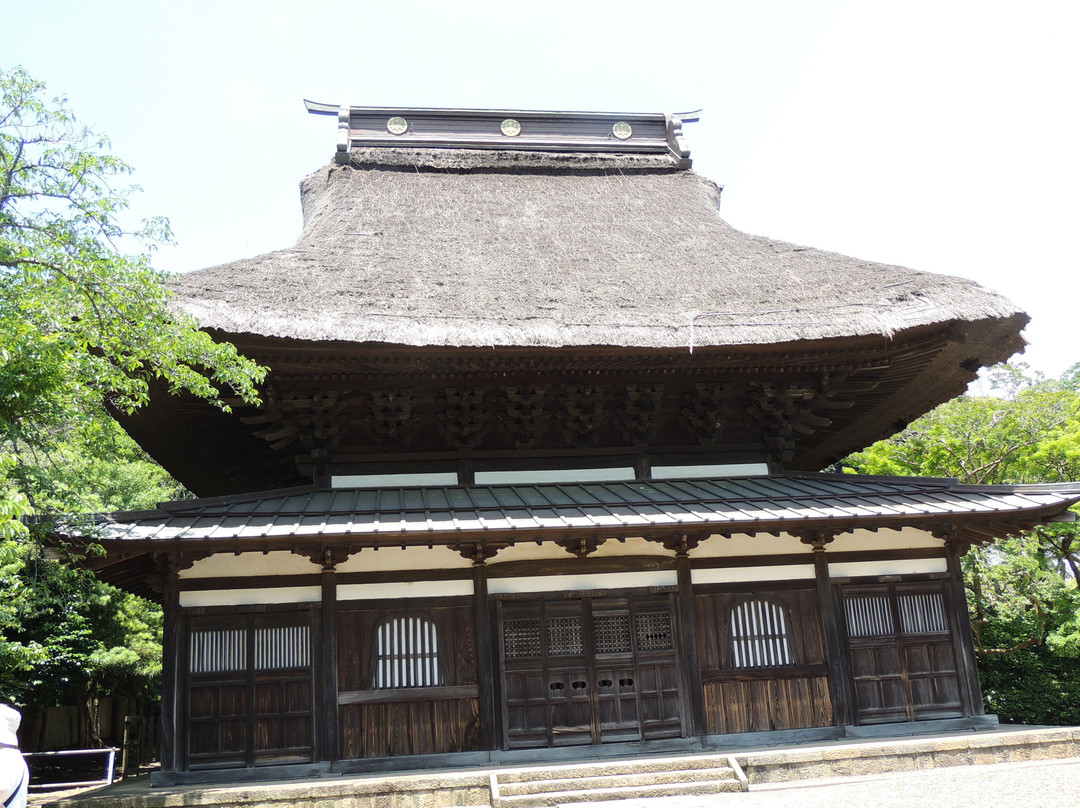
(943, 136)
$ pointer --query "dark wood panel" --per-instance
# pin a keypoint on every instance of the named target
(441, 693)
(765, 705)
(409, 728)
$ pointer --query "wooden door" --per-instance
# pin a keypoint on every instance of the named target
(249, 691)
(902, 659)
(589, 670)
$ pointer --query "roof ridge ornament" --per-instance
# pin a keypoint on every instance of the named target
(613, 133)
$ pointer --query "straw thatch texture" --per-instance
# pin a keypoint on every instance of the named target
(539, 255)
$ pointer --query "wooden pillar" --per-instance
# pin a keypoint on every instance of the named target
(971, 700)
(839, 690)
(486, 668)
(688, 650)
(170, 668)
(328, 664)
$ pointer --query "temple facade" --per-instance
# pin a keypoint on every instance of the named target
(538, 468)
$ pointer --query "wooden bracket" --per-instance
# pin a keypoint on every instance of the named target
(480, 551)
(816, 538)
(580, 547)
(682, 543)
(328, 557)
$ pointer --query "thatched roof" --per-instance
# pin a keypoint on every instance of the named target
(459, 248)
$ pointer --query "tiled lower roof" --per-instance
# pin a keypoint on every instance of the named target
(795, 502)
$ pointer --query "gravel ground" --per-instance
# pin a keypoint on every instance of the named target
(1040, 784)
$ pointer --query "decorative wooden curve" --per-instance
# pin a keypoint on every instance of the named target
(391, 415)
(324, 429)
(706, 412)
(639, 416)
(584, 410)
(782, 412)
(523, 419)
(460, 418)
(315, 421)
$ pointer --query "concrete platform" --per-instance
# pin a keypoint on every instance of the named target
(764, 768)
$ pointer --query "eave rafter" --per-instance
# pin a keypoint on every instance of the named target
(580, 542)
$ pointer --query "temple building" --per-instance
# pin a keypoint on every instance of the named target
(538, 468)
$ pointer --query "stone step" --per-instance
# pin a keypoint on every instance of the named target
(694, 788)
(612, 767)
(622, 780)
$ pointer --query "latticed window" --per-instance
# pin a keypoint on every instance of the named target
(406, 653)
(871, 615)
(226, 649)
(759, 635)
(922, 613)
(868, 616)
(218, 650)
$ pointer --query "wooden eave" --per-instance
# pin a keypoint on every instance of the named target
(477, 521)
(864, 388)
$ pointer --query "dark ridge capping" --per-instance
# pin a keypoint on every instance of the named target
(476, 161)
(500, 129)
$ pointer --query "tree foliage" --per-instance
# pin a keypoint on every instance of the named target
(85, 326)
(85, 320)
(1022, 592)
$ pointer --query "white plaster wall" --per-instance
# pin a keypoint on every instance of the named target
(907, 566)
(631, 547)
(251, 597)
(530, 551)
(390, 559)
(410, 589)
(906, 539)
(228, 565)
(577, 583)
(737, 575)
(383, 480)
(529, 476)
(725, 470)
(743, 545)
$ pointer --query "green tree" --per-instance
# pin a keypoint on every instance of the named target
(85, 326)
(85, 320)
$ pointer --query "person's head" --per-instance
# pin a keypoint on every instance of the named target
(9, 725)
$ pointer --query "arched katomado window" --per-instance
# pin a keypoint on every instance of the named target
(406, 653)
(759, 635)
